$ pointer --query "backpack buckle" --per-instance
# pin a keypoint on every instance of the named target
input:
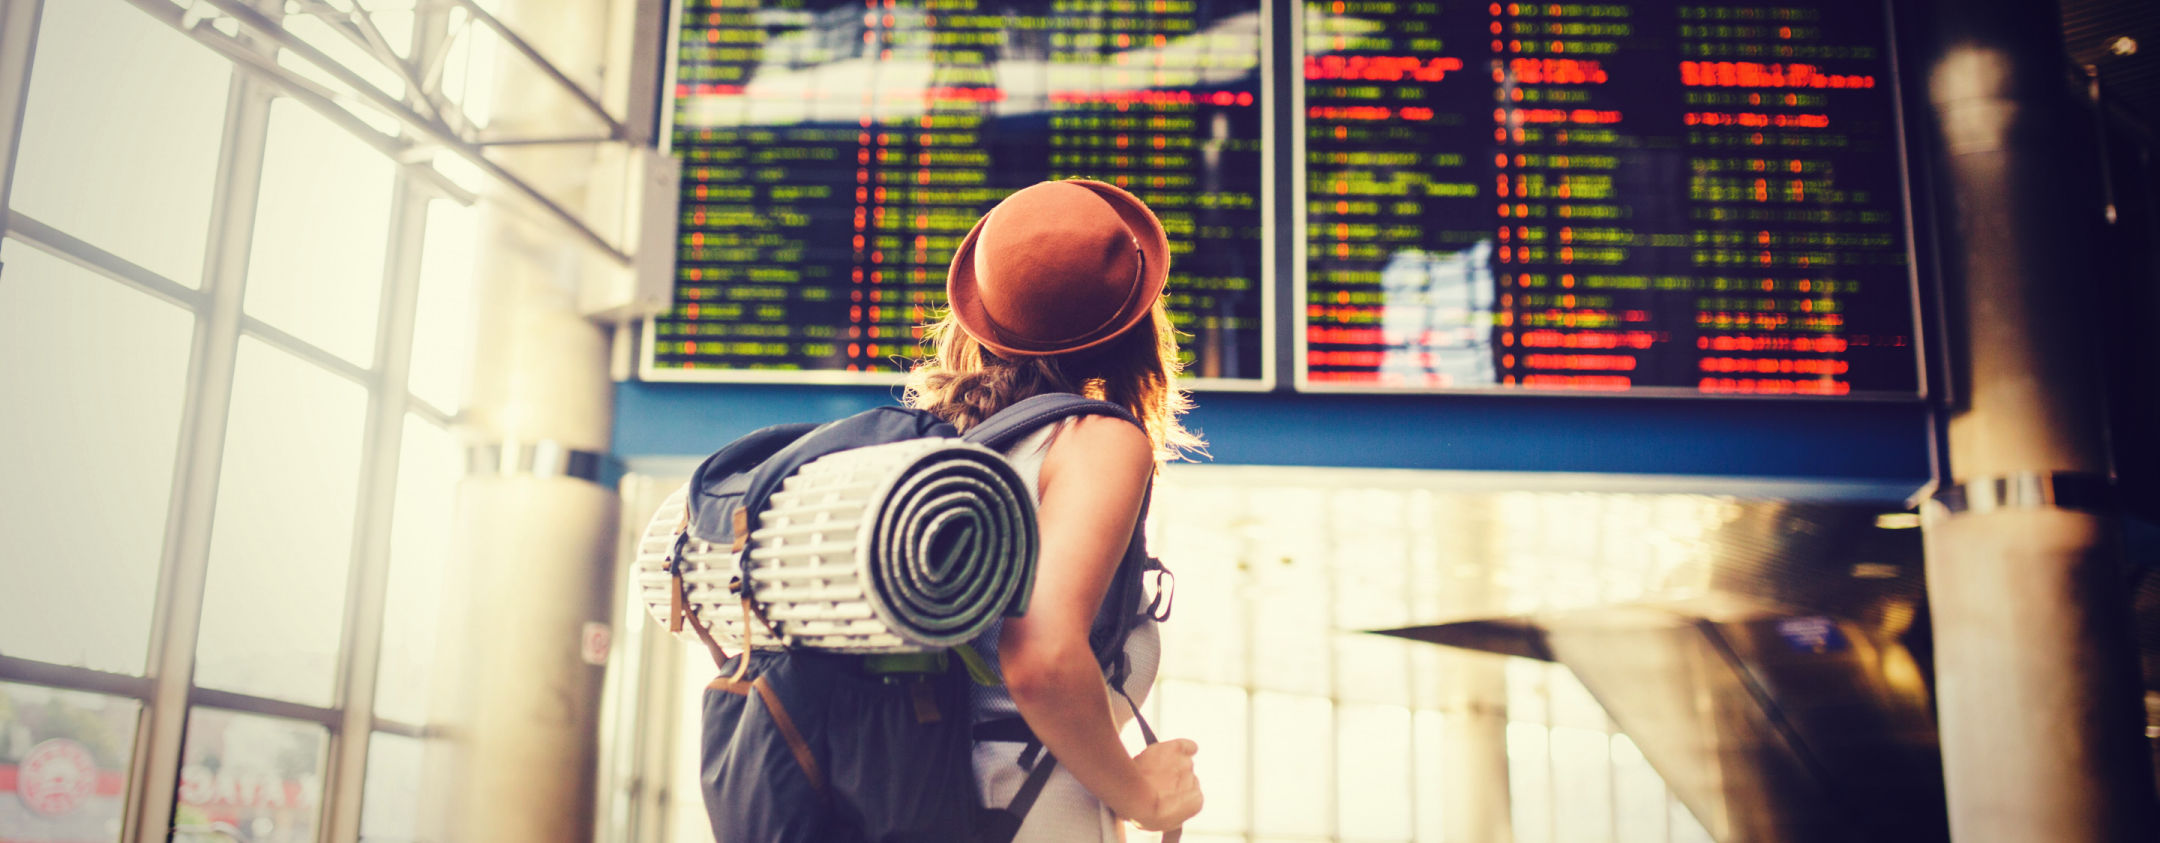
(896, 666)
(677, 605)
(1164, 585)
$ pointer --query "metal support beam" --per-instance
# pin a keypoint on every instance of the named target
(184, 569)
(431, 130)
(284, 340)
(565, 141)
(367, 592)
(1282, 176)
(358, 26)
(328, 718)
(13, 669)
(80, 252)
(18, 49)
(2036, 671)
(584, 97)
(248, 60)
(637, 51)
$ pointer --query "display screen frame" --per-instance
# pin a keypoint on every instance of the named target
(1920, 338)
(1270, 280)
(1284, 271)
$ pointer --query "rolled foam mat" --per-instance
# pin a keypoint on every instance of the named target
(707, 568)
(900, 547)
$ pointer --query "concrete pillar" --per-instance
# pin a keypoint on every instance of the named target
(520, 701)
(2037, 683)
(1478, 808)
(1474, 802)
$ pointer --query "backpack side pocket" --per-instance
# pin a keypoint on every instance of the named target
(756, 786)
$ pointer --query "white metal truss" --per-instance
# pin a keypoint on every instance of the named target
(431, 122)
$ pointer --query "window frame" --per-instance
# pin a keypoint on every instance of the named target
(166, 691)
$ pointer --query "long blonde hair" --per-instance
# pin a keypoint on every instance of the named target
(964, 383)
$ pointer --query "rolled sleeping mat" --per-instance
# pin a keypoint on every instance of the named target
(707, 568)
(906, 546)
(903, 547)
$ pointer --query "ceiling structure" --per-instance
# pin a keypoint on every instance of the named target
(2119, 41)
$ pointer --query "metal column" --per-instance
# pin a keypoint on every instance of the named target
(2042, 730)
(522, 668)
(1477, 805)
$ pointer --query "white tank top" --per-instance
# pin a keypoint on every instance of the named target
(1143, 649)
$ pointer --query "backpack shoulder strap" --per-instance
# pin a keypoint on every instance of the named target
(1121, 611)
(1115, 620)
(875, 426)
(1007, 427)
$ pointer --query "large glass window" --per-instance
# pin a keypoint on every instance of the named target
(1582, 776)
(1636, 792)
(1530, 792)
(443, 323)
(686, 819)
(429, 465)
(1213, 638)
(322, 226)
(219, 454)
(64, 759)
(469, 72)
(347, 53)
(1295, 635)
(248, 777)
(1311, 728)
(1293, 766)
(1372, 779)
(1685, 828)
(390, 810)
(120, 135)
(283, 542)
(1216, 717)
(93, 375)
(1429, 775)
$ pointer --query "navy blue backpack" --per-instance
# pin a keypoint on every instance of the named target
(804, 746)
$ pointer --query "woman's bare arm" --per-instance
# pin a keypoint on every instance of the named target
(1092, 482)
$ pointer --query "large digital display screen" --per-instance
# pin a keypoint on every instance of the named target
(1644, 198)
(1647, 198)
(835, 152)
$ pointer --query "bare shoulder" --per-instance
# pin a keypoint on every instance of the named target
(1108, 448)
(1107, 439)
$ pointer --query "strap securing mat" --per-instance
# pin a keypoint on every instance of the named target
(906, 546)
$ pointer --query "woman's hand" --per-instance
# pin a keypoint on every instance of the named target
(1167, 771)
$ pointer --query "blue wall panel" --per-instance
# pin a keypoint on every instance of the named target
(1883, 444)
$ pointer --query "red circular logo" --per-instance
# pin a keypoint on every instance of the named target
(56, 776)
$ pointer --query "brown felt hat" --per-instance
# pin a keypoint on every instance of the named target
(1059, 266)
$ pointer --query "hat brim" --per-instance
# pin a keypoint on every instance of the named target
(962, 290)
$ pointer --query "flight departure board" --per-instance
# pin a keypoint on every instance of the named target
(1643, 198)
(835, 152)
